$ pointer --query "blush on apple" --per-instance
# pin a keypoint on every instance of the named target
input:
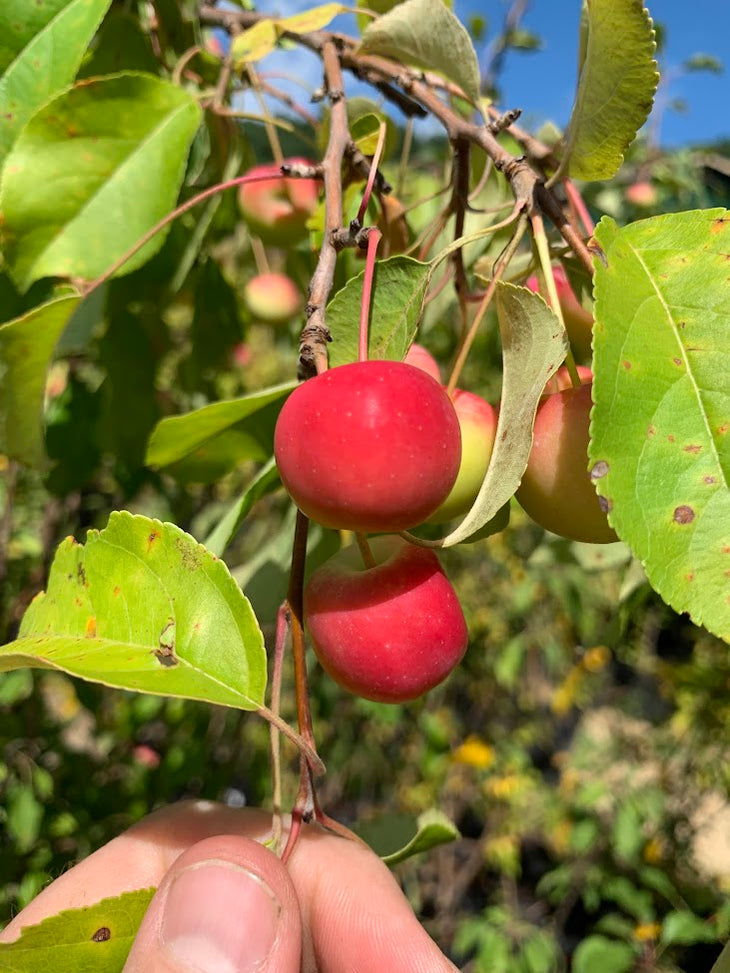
(389, 632)
(277, 208)
(370, 446)
(272, 298)
(578, 321)
(556, 489)
(478, 424)
(561, 379)
(422, 358)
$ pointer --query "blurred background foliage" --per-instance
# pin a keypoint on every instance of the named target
(582, 748)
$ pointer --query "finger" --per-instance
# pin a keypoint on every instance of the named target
(227, 905)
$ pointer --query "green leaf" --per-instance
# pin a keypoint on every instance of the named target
(143, 606)
(533, 346)
(26, 347)
(24, 815)
(685, 928)
(396, 837)
(607, 955)
(660, 431)
(427, 34)
(46, 65)
(91, 173)
(266, 480)
(93, 939)
(399, 289)
(261, 39)
(251, 418)
(616, 86)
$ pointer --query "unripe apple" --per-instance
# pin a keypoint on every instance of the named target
(478, 423)
(390, 632)
(370, 446)
(641, 193)
(422, 358)
(277, 209)
(578, 321)
(272, 298)
(562, 380)
(556, 489)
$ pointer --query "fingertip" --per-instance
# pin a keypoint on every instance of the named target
(226, 905)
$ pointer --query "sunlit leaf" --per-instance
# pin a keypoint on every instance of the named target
(396, 837)
(143, 606)
(93, 939)
(46, 64)
(256, 42)
(427, 34)
(600, 953)
(399, 290)
(533, 346)
(91, 172)
(616, 86)
(660, 434)
(26, 347)
(313, 19)
(250, 418)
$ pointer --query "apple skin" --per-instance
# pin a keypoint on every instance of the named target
(556, 489)
(422, 358)
(372, 446)
(641, 193)
(561, 379)
(390, 632)
(578, 321)
(272, 298)
(478, 423)
(277, 209)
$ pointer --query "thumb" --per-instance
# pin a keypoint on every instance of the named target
(227, 905)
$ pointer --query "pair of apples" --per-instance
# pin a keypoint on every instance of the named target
(379, 447)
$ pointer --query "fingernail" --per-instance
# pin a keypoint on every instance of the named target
(219, 918)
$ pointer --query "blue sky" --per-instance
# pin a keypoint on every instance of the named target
(542, 83)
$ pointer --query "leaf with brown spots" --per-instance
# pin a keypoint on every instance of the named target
(155, 613)
(662, 303)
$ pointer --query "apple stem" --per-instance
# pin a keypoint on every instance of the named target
(499, 269)
(282, 629)
(374, 236)
(543, 252)
(375, 161)
(367, 554)
(578, 204)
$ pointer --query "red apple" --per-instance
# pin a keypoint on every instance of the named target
(277, 209)
(561, 379)
(556, 489)
(478, 423)
(641, 193)
(422, 358)
(272, 298)
(390, 632)
(369, 446)
(578, 321)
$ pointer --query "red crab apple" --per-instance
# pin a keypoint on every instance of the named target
(561, 379)
(390, 632)
(369, 446)
(556, 489)
(578, 321)
(641, 193)
(277, 208)
(478, 422)
(422, 358)
(272, 298)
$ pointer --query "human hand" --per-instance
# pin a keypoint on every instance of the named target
(226, 904)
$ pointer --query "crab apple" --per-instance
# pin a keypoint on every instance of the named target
(556, 489)
(272, 298)
(578, 321)
(370, 446)
(277, 209)
(562, 380)
(422, 358)
(478, 423)
(389, 632)
(641, 193)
